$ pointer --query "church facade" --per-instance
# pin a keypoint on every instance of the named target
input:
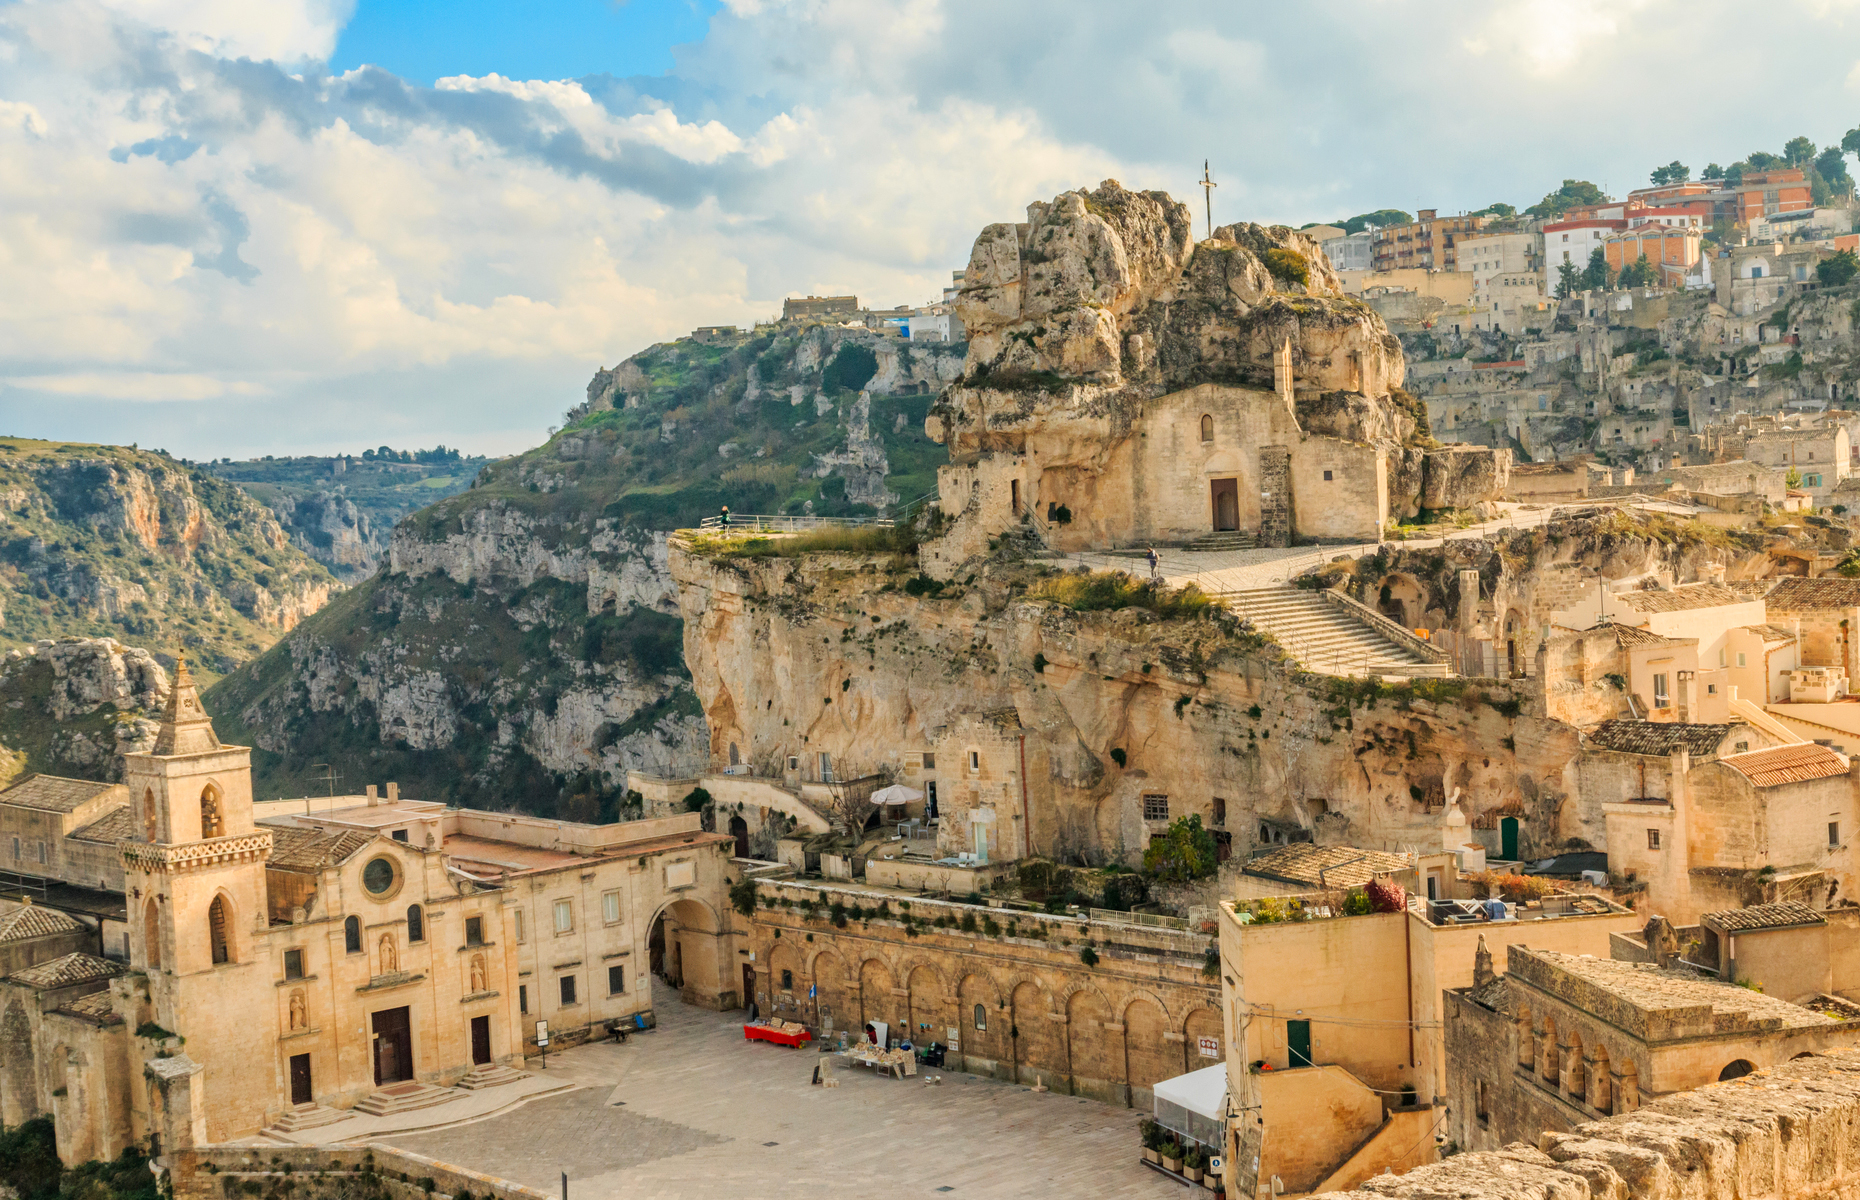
(292, 963)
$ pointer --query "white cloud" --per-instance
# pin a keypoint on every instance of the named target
(135, 385)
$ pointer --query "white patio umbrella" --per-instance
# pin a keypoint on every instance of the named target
(897, 793)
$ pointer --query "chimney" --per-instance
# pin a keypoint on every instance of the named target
(369, 791)
(1688, 695)
(393, 793)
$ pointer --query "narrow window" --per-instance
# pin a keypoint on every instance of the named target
(523, 997)
(1220, 811)
(568, 989)
(293, 964)
(521, 933)
(610, 907)
(416, 924)
(616, 980)
(1653, 839)
(474, 931)
(216, 930)
(148, 820)
(981, 1018)
(1834, 834)
(787, 980)
(151, 934)
(1207, 428)
(1740, 658)
(564, 916)
(975, 760)
(15, 849)
(352, 935)
(1659, 692)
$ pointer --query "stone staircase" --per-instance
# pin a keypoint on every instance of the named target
(309, 1116)
(404, 1097)
(490, 1075)
(1237, 539)
(1326, 638)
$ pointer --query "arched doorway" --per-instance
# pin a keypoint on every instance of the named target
(1225, 494)
(1093, 1060)
(1737, 1068)
(683, 952)
(1037, 1053)
(1508, 838)
(1146, 1050)
(739, 829)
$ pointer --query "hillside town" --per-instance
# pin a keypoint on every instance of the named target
(1361, 709)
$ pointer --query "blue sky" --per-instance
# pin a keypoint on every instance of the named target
(424, 40)
(236, 227)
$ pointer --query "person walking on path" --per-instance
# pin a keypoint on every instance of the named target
(725, 519)
(1153, 561)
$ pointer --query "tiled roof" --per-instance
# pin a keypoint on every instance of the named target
(97, 1006)
(63, 972)
(1751, 589)
(117, 825)
(1627, 635)
(1829, 591)
(1342, 866)
(53, 794)
(1781, 915)
(1772, 632)
(1659, 738)
(297, 849)
(1787, 764)
(1693, 595)
(34, 920)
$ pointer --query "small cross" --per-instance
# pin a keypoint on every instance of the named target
(1207, 192)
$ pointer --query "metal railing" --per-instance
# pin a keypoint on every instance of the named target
(1025, 512)
(910, 509)
(1111, 916)
(783, 523)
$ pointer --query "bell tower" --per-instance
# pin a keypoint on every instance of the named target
(194, 875)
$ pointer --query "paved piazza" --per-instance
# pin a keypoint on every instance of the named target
(689, 1110)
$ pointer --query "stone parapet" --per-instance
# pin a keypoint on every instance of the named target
(195, 856)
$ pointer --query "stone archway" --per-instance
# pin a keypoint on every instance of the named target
(929, 1019)
(876, 1003)
(19, 1096)
(1148, 1057)
(832, 1008)
(1094, 1055)
(984, 1021)
(1201, 1024)
(1038, 1054)
(686, 952)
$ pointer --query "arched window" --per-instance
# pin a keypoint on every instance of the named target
(352, 934)
(217, 929)
(148, 815)
(151, 934)
(1207, 428)
(211, 826)
(416, 924)
(981, 1019)
(1737, 1068)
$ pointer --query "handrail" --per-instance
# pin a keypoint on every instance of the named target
(1387, 628)
(785, 523)
(911, 508)
(1025, 511)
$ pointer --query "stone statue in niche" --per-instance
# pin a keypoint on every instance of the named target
(477, 974)
(390, 958)
(300, 1016)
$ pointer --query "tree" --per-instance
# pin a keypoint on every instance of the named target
(1595, 276)
(1639, 273)
(1713, 171)
(1829, 176)
(1381, 218)
(1792, 478)
(851, 798)
(1573, 192)
(1672, 172)
(1763, 160)
(1798, 152)
(1497, 208)
(1837, 269)
(1568, 280)
(1184, 853)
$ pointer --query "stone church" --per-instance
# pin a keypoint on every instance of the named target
(285, 965)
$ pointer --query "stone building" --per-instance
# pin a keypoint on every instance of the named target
(300, 963)
(1561, 1039)
(1007, 991)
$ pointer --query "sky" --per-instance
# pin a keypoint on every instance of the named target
(239, 227)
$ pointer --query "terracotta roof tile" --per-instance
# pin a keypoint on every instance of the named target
(72, 968)
(97, 1007)
(50, 793)
(1658, 738)
(1341, 866)
(1783, 914)
(1772, 632)
(1627, 635)
(1787, 764)
(1829, 591)
(117, 825)
(294, 848)
(1694, 595)
(34, 920)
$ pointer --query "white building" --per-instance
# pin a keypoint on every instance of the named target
(1489, 254)
(1351, 252)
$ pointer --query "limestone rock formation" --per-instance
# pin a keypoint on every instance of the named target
(77, 705)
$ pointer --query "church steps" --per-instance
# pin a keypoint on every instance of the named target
(1325, 637)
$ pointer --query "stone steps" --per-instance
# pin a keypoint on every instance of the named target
(404, 1097)
(1324, 637)
(490, 1075)
(1241, 539)
(309, 1116)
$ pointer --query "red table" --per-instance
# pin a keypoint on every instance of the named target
(766, 1033)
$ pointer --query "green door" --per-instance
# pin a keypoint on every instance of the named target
(1298, 1041)
(1508, 839)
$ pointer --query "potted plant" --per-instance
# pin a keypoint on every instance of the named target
(1152, 1140)
(1191, 1164)
(1172, 1156)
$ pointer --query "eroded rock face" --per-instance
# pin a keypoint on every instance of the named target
(76, 706)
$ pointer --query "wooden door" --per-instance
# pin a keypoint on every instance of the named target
(301, 1091)
(393, 1046)
(480, 1041)
(739, 829)
(1226, 497)
(1508, 839)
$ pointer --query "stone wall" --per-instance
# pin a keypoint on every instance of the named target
(1109, 1030)
(371, 1172)
(1786, 1133)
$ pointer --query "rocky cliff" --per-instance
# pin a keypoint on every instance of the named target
(520, 647)
(126, 543)
(74, 707)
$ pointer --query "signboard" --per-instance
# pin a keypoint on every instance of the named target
(542, 1033)
(1210, 1047)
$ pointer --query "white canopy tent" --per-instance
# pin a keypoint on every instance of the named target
(897, 793)
(1191, 1105)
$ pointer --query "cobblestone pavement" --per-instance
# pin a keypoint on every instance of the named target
(692, 1109)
